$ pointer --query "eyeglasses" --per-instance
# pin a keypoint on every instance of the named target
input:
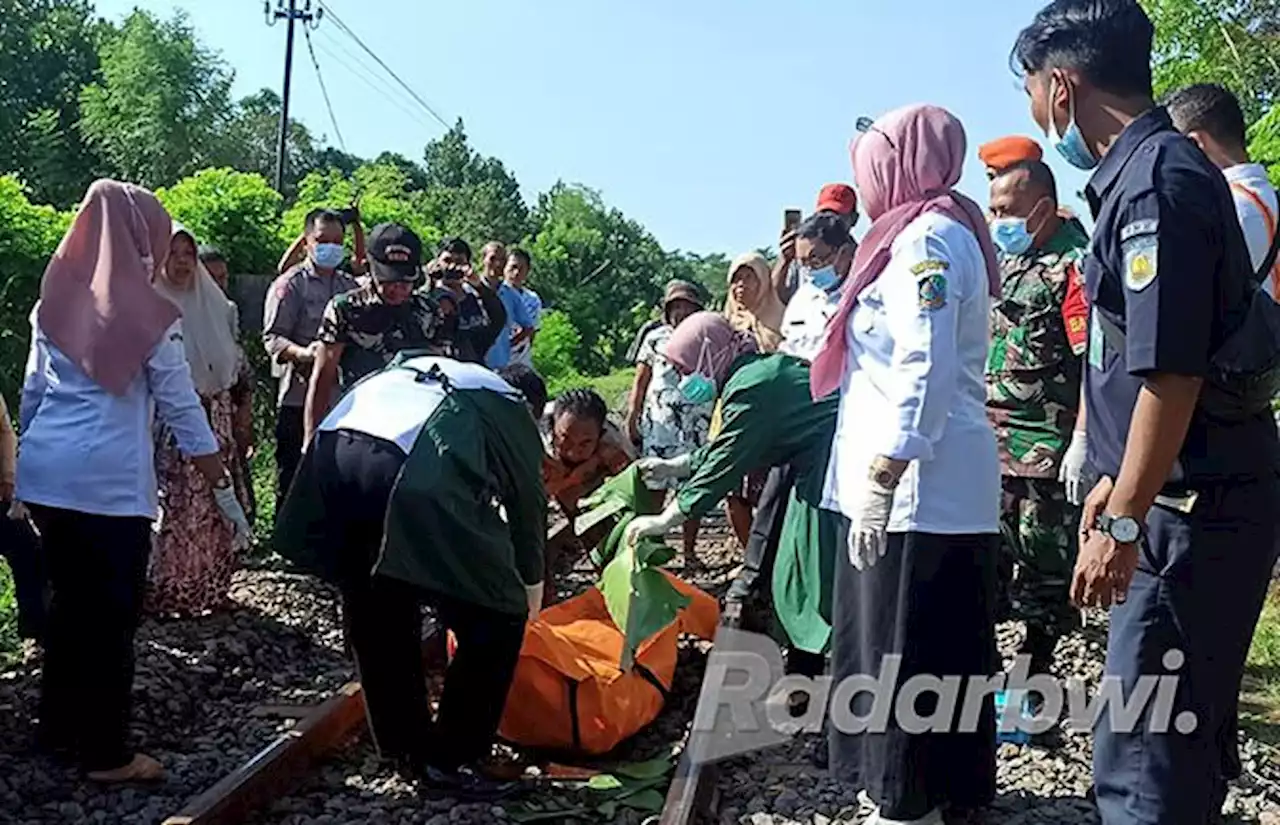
(866, 124)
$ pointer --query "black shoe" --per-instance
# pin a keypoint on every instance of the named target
(467, 784)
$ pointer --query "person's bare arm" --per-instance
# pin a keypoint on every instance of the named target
(786, 255)
(359, 263)
(635, 403)
(1156, 433)
(324, 377)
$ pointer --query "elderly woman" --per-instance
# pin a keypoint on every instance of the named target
(753, 305)
(193, 557)
(107, 356)
(914, 467)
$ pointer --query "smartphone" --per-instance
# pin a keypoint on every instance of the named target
(348, 215)
(791, 219)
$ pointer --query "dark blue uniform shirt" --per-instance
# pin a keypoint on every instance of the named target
(1170, 274)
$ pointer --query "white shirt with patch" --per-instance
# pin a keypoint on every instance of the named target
(1258, 209)
(914, 387)
(804, 324)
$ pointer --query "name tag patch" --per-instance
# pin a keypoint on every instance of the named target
(929, 266)
(933, 292)
(1141, 256)
(1138, 228)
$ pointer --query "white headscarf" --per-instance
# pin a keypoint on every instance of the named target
(206, 327)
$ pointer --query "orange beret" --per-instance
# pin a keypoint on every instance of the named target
(1005, 152)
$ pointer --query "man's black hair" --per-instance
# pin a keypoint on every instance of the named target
(530, 384)
(582, 403)
(517, 252)
(1107, 41)
(1039, 175)
(210, 254)
(318, 216)
(455, 246)
(1209, 108)
(829, 227)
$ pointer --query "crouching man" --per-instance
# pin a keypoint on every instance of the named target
(423, 485)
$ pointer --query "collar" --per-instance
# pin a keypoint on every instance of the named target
(1244, 173)
(1117, 157)
(1069, 237)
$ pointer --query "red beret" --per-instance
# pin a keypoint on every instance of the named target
(1005, 152)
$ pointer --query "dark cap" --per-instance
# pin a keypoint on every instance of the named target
(395, 254)
(678, 290)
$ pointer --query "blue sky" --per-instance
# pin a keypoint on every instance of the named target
(703, 120)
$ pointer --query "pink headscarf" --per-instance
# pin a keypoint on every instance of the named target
(905, 166)
(723, 344)
(97, 304)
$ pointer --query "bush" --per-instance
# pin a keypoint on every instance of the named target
(237, 212)
(555, 349)
(29, 235)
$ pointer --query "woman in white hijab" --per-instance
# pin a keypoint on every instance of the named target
(193, 556)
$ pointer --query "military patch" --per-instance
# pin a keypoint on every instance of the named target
(1138, 228)
(933, 292)
(930, 266)
(1141, 256)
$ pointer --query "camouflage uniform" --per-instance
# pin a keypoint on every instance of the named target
(372, 332)
(1038, 334)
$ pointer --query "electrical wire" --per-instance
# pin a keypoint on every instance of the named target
(324, 91)
(329, 14)
(357, 70)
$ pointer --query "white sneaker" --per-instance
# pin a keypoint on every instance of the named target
(934, 817)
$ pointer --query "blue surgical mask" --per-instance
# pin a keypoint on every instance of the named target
(328, 255)
(1011, 235)
(825, 278)
(1072, 145)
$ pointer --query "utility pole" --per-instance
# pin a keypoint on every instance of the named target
(288, 11)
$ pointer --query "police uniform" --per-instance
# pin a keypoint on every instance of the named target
(1038, 335)
(1166, 280)
(292, 314)
(372, 332)
(915, 390)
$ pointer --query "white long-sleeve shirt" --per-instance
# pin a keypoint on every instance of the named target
(82, 448)
(914, 388)
(1258, 210)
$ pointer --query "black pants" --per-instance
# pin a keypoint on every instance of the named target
(290, 432)
(755, 580)
(1199, 589)
(930, 602)
(97, 570)
(384, 623)
(20, 547)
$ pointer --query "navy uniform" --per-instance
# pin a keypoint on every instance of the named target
(1167, 278)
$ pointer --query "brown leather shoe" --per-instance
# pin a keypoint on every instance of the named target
(141, 769)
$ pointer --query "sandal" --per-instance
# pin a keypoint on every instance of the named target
(141, 769)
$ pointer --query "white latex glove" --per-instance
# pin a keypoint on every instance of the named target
(234, 513)
(868, 529)
(1075, 473)
(533, 592)
(657, 526)
(656, 470)
(18, 511)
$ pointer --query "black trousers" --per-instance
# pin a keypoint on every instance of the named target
(383, 621)
(1198, 590)
(930, 602)
(97, 571)
(755, 580)
(20, 547)
(290, 432)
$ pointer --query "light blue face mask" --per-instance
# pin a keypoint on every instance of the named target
(1011, 235)
(825, 279)
(1072, 145)
(328, 255)
(697, 387)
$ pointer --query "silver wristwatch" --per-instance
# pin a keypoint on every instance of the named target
(1122, 529)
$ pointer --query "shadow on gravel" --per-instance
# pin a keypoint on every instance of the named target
(197, 684)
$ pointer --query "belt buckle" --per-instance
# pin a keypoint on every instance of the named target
(1182, 504)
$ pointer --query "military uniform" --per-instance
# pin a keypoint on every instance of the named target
(1038, 335)
(372, 331)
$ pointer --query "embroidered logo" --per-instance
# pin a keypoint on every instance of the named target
(933, 292)
(1141, 257)
(929, 266)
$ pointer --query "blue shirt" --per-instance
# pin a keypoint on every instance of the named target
(1168, 276)
(518, 315)
(87, 450)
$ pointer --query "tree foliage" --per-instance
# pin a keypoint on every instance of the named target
(236, 211)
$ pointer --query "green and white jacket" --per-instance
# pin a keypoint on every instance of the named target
(467, 516)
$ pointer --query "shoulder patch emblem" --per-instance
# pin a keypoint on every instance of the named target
(1141, 258)
(929, 266)
(1138, 228)
(933, 292)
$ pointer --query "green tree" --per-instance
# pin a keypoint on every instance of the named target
(252, 139)
(556, 347)
(384, 191)
(469, 195)
(162, 104)
(48, 53)
(237, 211)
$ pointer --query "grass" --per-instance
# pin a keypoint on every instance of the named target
(1260, 694)
(8, 616)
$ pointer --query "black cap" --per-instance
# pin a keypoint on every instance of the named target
(395, 254)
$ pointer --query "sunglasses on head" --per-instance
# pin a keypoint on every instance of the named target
(866, 124)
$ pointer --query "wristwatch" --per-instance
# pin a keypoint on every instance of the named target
(1123, 529)
(884, 476)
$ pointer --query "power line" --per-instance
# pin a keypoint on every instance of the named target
(325, 92)
(346, 30)
(362, 74)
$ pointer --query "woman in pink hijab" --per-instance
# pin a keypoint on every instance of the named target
(107, 357)
(913, 464)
